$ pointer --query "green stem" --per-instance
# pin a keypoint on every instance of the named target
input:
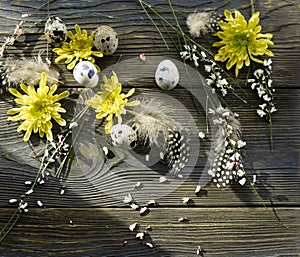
(158, 30)
(206, 114)
(143, 4)
(236, 95)
(178, 29)
(10, 224)
(43, 166)
(252, 7)
(48, 11)
(253, 188)
(191, 41)
(16, 215)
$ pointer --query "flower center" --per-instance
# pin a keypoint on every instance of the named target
(242, 40)
(81, 47)
(113, 103)
(80, 44)
(40, 109)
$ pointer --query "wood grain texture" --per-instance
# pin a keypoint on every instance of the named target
(101, 232)
(225, 222)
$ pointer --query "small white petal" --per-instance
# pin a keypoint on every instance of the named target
(140, 235)
(198, 189)
(127, 198)
(183, 219)
(201, 134)
(240, 173)
(162, 179)
(23, 206)
(133, 226)
(25, 15)
(180, 175)
(13, 200)
(134, 206)
(242, 181)
(105, 150)
(254, 178)
(261, 113)
(30, 191)
(273, 109)
(73, 125)
(138, 185)
(150, 245)
(143, 57)
(39, 203)
(151, 203)
(144, 210)
(186, 199)
(147, 157)
(240, 143)
(42, 182)
(199, 250)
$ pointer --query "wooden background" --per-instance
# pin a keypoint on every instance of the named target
(225, 222)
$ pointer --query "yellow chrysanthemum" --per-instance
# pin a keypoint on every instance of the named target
(241, 41)
(110, 101)
(38, 108)
(79, 48)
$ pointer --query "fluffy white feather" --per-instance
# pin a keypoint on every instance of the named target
(199, 23)
(152, 121)
(28, 70)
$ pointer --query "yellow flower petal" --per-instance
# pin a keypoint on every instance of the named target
(241, 40)
(27, 135)
(79, 48)
(110, 102)
(133, 103)
(13, 111)
(37, 109)
(15, 92)
(71, 65)
(98, 54)
(108, 126)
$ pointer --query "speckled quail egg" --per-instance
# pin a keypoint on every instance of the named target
(166, 75)
(122, 135)
(55, 30)
(85, 73)
(106, 40)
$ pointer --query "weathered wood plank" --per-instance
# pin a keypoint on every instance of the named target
(101, 232)
(138, 35)
(233, 231)
(276, 171)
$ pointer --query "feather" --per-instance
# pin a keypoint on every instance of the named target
(202, 23)
(153, 125)
(27, 70)
(225, 157)
(152, 121)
